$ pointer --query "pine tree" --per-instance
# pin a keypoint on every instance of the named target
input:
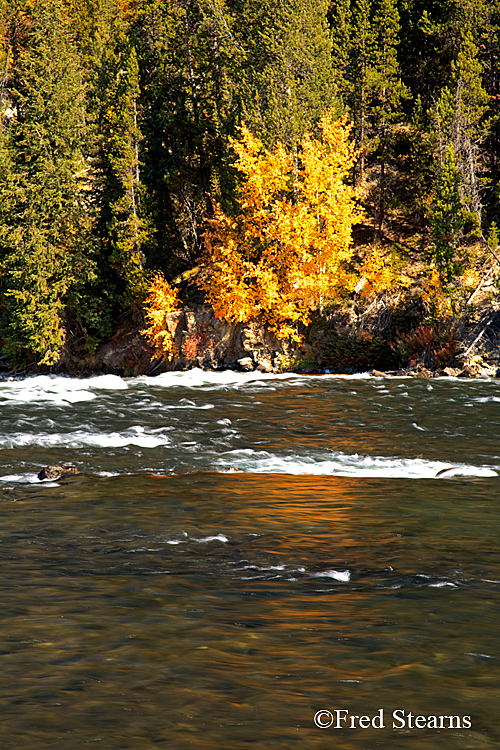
(489, 46)
(447, 218)
(188, 73)
(420, 167)
(287, 81)
(431, 34)
(43, 221)
(377, 91)
(118, 185)
(340, 22)
(460, 121)
(362, 60)
(388, 90)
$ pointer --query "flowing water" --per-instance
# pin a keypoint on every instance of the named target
(240, 552)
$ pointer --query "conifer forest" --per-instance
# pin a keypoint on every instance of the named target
(289, 155)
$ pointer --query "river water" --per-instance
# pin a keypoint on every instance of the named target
(242, 551)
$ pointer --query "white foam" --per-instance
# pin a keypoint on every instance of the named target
(347, 465)
(81, 439)
(58, 390)
(196, 377)
(27, 478)
(264, 569)
(441, 584)
(189, 406)
(106, 382)
(217, 538)
(338, 575)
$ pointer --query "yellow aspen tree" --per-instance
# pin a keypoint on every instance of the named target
(161, 301)
(287, 249)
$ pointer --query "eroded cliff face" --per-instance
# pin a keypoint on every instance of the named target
(201, 340)
(348, 341)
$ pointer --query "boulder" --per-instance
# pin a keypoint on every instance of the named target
(245, 364)
(54, 473)
(264, 365)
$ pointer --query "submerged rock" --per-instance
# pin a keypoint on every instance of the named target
(57, 472)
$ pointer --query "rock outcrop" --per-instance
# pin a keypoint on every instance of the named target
(351, 339)
(203, 340)
(54, 473)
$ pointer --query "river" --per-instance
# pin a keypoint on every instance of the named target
(240, 552)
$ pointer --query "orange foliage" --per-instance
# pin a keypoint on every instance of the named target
(435, 296)
(161, 300)
(471, 278)
(376, 273)
(286, 250)
(194, 343)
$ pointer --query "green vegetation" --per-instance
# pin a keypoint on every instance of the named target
(116, 124)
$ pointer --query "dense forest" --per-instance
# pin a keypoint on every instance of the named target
(127, 127)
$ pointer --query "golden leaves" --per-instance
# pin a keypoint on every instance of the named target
(161, 301)
(286, 250)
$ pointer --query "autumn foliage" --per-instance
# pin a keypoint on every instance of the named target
(286, 251)
(161, 301)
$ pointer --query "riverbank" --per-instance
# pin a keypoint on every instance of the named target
(380, 337)
(386, 334)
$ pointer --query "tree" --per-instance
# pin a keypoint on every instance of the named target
(388, 91)
(44, 227)
(460, 121)
(341, 26)
(287, 76)
(287, 249)
(118, 187)
(362, 53)
(187, 52)
(489, 50)
(431, 34)
(447, 218)
(161, 301)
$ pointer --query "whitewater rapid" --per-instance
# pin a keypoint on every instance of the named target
(217, 421)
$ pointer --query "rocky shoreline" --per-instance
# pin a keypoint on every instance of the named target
(348, 341)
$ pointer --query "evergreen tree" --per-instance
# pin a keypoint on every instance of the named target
(362, 74)
(459, 118)
(187, 64)
(420, 168)
(431, 34)
(340, 21)
(118, 187)
(287, 81)
(447, 218)
(489, 49)
(377, 92)
(388, 91)
(43, 221)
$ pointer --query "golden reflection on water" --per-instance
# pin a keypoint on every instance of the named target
(108, 635)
